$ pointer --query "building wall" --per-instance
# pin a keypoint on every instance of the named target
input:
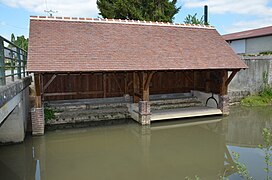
(238, 46)
(252, 45)
(259, 44)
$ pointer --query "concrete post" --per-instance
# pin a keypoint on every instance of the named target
(224, 104)
(144, 112)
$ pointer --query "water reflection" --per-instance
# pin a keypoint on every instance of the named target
(165, 150)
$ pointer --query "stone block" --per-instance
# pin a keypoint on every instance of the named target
(224, 104)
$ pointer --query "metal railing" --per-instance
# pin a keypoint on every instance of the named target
(13, 61)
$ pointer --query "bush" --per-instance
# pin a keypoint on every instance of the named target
(264, 98)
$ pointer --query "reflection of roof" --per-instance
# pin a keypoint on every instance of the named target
(85, 44)
(249, 34)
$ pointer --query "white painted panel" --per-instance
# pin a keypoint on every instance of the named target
(238, 46)
(259, 44)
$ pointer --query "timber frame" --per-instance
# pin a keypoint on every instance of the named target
(138, 84)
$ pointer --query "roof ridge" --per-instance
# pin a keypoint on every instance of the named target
(119, 21)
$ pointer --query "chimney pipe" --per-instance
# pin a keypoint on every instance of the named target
(206, 15)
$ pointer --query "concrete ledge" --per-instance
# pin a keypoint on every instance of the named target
(8, 91)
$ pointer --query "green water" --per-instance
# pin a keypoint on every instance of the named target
(164, 150)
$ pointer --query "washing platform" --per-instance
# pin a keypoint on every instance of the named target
(185, 112)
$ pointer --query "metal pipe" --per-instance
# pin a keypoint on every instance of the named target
(206, 15)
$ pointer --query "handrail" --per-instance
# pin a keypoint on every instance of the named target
(13, 59)
(11, 43)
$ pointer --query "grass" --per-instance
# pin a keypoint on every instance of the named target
(264, 98)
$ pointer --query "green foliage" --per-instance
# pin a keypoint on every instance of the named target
(266, 147)
(148, 10)
(241, 168)
(266, 53)
(20, 41)
(189, 19)
(255, 100)
(264, 98)
(48, 114)
(195, 178)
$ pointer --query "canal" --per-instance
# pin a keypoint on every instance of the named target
(165, 150)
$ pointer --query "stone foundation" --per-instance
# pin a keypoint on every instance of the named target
(37, 118)
(144, 112)
(224, 104)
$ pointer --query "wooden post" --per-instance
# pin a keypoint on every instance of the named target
(37, 113)
(144, 88)
(104, 85)
(126, 82)
(224, 85)
(146, 79)
(38, 99)
(208, 82)
(223, 97)
(135, 87)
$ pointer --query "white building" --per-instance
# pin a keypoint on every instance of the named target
(251, 41)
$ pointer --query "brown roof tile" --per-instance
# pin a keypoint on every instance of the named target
(265, 31)
(69, 45)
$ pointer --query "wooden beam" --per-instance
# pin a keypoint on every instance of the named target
(73, 93)
(146, 79)
(49, 82)
(37, 82)
(149, 78)
(187, 77)
(118, 84)
(233, 73)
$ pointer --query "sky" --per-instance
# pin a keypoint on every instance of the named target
(227, 16)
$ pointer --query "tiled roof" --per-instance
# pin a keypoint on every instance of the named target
(265, 31)
(62, 44)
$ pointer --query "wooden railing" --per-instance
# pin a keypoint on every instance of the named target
(13, 61)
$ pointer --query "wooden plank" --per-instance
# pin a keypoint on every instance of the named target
(37, 82)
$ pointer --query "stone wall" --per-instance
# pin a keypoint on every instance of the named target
(251, 80)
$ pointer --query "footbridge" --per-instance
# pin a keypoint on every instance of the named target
(14, 92)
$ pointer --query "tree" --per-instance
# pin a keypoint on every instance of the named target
(21, 41)
(148, 10)
(189, 19)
